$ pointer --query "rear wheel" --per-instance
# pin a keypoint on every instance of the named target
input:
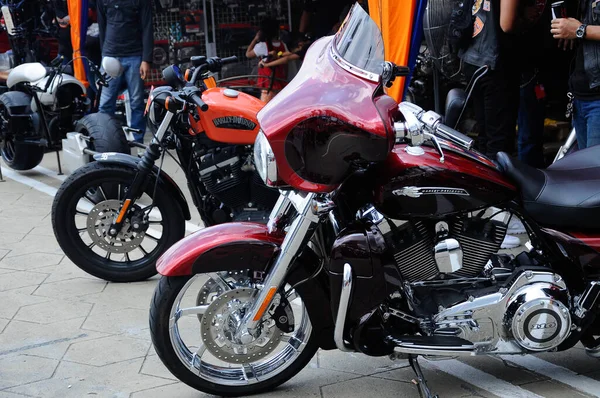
(17, 155)
(193, 321)
(84, 209)
(105, 132)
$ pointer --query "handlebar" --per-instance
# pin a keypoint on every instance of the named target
(448, 133)
(420, 125)
(195, 98)
(210, 65)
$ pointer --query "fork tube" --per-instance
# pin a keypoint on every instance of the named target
(300, 231)
(144, 167)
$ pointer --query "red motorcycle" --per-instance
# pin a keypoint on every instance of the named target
(384, 240)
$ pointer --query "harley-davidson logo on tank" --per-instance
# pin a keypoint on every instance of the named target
(234, 122)
(415, 192)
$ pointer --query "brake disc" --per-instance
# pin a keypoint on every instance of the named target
(220, 322)
(99, 221)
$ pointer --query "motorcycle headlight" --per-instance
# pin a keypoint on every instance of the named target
(156, 109)
(264, 160)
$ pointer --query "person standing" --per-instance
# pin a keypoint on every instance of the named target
(496, 94)
(532, 103)
(585, 79)
(268, 46)
(126, 33)
(494, 48)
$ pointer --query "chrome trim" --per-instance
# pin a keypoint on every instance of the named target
(588, 299)
(348, 67)
(162, 129)
(281, 208)
(302, 227)
(340, 319)
(229, 162)
(465, 350)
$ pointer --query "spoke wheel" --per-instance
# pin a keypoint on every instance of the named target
(193, 324)
(85, 208)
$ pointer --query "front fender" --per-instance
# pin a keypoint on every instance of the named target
(164, 178)
(221, 247)
(235, 246)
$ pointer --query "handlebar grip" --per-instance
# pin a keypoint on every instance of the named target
(452, 135)
(229, 60)
(199, 103)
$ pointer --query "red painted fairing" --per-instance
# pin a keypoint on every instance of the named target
(400, 160)
(179, 259)
(591, 240)
(321, 88)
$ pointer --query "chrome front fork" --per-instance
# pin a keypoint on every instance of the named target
(296, 238)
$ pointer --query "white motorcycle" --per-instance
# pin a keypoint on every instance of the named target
(43, 107)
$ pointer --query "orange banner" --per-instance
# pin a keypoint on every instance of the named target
(76, 16)
(395, 19)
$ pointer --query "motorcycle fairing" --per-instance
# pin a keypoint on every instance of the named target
(164, 178)
(235, 246)
(353, 123)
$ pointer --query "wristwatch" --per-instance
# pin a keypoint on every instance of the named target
(580, 31)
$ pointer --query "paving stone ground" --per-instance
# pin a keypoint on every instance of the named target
(64, 333)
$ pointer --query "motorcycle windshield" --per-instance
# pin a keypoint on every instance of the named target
(334, 116)
(359, 42)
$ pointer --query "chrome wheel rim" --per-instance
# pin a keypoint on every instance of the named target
(273, 352)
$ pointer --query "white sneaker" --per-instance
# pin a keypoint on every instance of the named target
(510, 242)
(515, 226)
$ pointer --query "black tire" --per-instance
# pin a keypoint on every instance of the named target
(64, 208)
(18, 156)
(105, 132)
(165, 295)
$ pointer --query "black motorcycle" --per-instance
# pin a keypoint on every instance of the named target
(115, 217)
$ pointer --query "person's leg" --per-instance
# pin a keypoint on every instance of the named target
(108, 100)
(531, 126)
(501, 103)
(580, 124)
(593, 123)
(135, 86)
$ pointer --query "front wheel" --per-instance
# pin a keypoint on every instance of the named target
(193, 321)
(84, 209)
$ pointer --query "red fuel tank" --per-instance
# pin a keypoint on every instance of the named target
(419, 185)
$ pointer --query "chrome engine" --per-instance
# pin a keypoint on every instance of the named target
(454, 248)
(463, 297)
(531, 315)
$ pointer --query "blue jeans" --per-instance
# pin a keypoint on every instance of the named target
(586, 120)
(531, 126)
(135, 86)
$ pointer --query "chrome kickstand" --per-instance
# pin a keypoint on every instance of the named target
(1, 177)
(421, 383)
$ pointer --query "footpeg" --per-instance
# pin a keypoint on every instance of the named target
(432, 345)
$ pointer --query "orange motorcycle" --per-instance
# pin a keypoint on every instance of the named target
(115, 217)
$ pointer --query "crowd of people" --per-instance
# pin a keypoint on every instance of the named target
(508, 44)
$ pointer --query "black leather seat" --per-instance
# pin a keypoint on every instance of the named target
(566, 194)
